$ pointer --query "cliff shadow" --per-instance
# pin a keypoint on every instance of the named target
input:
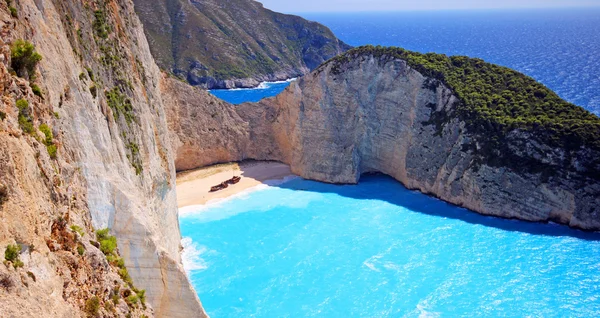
(384, 188)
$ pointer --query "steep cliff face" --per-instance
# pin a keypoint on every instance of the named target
(204, 129)
(112, 165)
(239, 43)
(375, 113)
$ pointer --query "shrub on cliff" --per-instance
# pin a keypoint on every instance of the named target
(24, 58)
(92, 306)
(100, 27)
(496, 99)
(49, 140)
(108, 243)
(36, 90)
(77, 229)
(120, 105)
(11, 254)
(25, 121)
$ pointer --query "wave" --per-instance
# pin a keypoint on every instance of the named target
(191, 255)
(262, 85)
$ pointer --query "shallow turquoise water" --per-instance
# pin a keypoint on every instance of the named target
(379, 250)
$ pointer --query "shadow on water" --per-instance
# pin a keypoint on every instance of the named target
(378, 188)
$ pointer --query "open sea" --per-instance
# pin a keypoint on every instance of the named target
(307, 249)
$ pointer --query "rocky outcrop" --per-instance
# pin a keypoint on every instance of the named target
(97, 91)
(378, 114)
(204, 129)
(235, 43)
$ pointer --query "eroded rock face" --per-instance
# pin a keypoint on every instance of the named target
(114, 166)
(381, 116)
(204, 129)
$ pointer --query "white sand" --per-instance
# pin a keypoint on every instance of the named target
(193, 186)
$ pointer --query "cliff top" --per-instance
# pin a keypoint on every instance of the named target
(495, 99)
(210, 40)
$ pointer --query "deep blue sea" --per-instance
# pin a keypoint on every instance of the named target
(558, 47)
(376, 249)
(307, 249)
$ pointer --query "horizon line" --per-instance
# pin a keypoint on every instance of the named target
(449, 10)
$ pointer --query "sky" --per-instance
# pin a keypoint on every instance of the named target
(291, 6)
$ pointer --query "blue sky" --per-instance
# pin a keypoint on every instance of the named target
(396, 5)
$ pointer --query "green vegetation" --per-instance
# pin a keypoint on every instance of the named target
(90, 73)
(134, 157)
(92, 306)
(52, 151)
(94, 91)
(108, 246)
(114, 295)
(495, 99)
(120, 105)
(25, 120)
(13, 12)
(139, 296)
(36, 90)
(2, 115)
(240, 40)
(77, 229)
(80, 249)
(24, 58)
(11, 254)
(48, 133)
(108, 243)
(100, 27)
(49, 140)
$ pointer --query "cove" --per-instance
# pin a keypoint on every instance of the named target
(377, 249)
(242, 95)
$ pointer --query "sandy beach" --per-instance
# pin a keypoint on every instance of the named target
(193, 186)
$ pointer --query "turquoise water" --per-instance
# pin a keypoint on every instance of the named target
(242, 95)
(379, 250)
